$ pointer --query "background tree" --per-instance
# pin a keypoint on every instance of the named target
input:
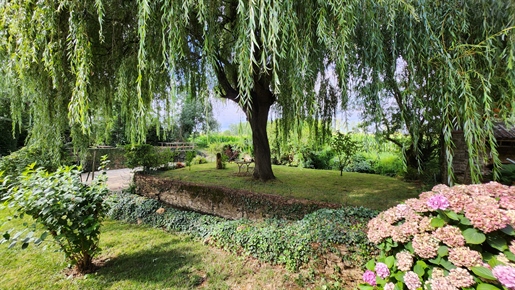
(74, 60)
(444, 69)
(345, 148)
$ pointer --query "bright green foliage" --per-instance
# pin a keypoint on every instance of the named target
(69, 210)
(345, 148)
(15, 163)
(147, 156)
(449, 66)
(74, 63)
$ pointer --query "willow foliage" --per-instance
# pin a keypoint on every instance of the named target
(449, 67)
(74, 63)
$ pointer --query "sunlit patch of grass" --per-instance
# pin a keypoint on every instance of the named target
(352, 189)
(133, 257)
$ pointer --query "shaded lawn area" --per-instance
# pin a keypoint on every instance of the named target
(351, 189)
(138, 257)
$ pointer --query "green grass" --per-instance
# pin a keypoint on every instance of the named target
(351, 189)
(137, 257)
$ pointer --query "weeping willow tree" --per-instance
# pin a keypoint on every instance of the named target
(449, 67)
(77, 62)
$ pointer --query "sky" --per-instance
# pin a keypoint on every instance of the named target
(227, 113)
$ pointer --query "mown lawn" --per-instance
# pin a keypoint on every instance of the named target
(138, 257)
(351, 189)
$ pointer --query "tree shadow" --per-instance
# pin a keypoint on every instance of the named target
(164, 265)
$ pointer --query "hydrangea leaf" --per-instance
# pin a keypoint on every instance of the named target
(389, 261)
(366, 287)
(483, 272)
(473, 236)
(497, 242)
(464, 220)
(443, 251)
(508, 230)
(420, 268)
(447, 265)
(452, 215)
(509, 255)
(485, 286)
(437, 222)
(371, 265)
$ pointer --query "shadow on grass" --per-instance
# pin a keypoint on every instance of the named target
(165, 265)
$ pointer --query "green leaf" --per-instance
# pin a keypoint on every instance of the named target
(483, 272)
(371, 265)
(437, 222)
(419, 268)
(509, 255)
(508, 230)
(473, 236)
(443, 251)
(485, 286)
(389, 261)
(6, 236)
(452, 215)
(366, 287)
(447, 265)
(497, 242)
(24, 245)
(464, 220)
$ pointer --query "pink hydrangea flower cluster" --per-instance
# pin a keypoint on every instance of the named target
(382, 270)
(404, 260)
(450, 235)
(438, 201)
(426, 245)
(465, 257)
(412, 280)
(489, 207)
(369, 277)
(505, 275)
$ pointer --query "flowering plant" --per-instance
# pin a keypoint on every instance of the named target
(459, 237)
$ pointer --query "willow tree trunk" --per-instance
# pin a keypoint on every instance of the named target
(257, 115)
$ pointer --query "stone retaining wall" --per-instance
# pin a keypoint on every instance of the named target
(224, 202)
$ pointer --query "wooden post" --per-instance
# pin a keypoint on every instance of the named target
(219, 161)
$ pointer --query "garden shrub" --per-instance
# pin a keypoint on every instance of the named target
(273, 240)
(457, 237)
(15, 163)
(361, 163)
(199, 160)
(388, 164)
(70, 211)
(147, 156)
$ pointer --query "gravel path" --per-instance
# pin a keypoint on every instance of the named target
(117, 179)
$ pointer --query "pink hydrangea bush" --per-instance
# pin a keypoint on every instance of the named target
(459, 237)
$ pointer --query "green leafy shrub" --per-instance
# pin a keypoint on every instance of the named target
(147, 156)
(344, 147)
(199, 160)
(388, 164)
(69, 210)
(361, 163)
(15, 163)
(449, 238)
(273, 240)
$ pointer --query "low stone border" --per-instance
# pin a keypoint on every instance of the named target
(224, 202)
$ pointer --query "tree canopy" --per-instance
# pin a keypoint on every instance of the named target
(75, 62)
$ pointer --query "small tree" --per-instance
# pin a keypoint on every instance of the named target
(345, 148)
(69, 210)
